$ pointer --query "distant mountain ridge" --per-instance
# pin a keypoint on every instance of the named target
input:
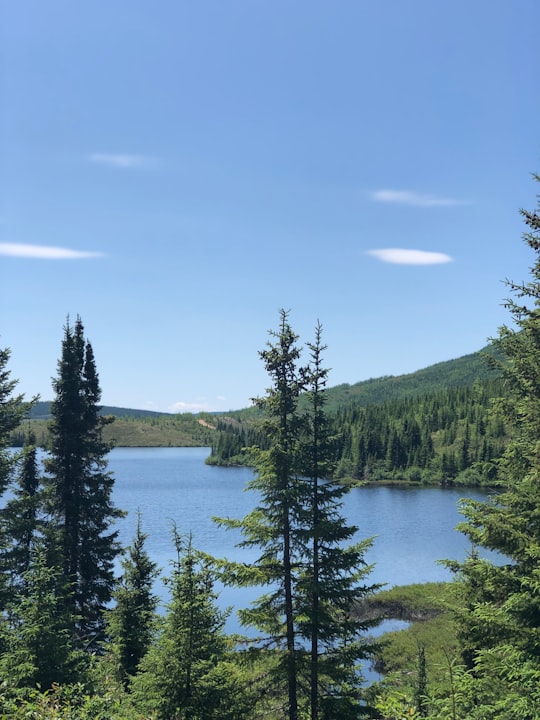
(42, 411)
(461, 371)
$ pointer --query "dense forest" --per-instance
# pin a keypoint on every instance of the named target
(448, 435)
(78, 642)
(435, 426)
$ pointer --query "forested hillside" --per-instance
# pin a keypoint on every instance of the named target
(436, 425)
(134, 428)
(448, 435)
(460, 372)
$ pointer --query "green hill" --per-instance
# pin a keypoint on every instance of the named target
(134, 428)
(461, 372)
(432, 425)
(42, 411)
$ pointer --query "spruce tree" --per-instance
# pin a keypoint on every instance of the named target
(313, 579)
(23, 515)
(79, 487)
(500, 620)
(13, 409)
(185, 674)
(39, 649)
(131, 622)
(332, 580)
(270, 526)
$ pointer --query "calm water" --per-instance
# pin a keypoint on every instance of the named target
(413, 527)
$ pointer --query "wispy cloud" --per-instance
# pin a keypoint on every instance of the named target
(402, 256)
(122, 161)
(407, 197)
(45, 252)
(184, 407)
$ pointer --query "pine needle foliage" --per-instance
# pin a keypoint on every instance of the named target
(13, 409)
(186, 674)
(130, 624)
(23, 516)
(500, 621)
(39, 650)
(332, 578)
(311, 577)
(79, 488)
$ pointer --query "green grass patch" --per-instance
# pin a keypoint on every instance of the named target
(183, 430)
(429, 609)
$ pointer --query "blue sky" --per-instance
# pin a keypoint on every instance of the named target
(176, 172)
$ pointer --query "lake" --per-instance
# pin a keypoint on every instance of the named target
(413, 528)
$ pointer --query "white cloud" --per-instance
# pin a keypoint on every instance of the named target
(45, 252)
(406, 197)
(184, 407)
(401, 256)
(119, 160)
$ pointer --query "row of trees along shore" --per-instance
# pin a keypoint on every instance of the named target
(77, 643)
(447, 436)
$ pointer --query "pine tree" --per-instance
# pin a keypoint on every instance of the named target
(333, 576)
(313, 580)
(131, 622)
(80, 488)
(39, 649)
(500, 621)
(23, 515)
(185, 675)
(270, 526)
(13, 409)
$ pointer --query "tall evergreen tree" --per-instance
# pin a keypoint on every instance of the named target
(130, 623)
(80, 487)
(23, 515)
(270, 526)
(39, 648)
(332, 580)
(500, 622)
(312, 579)
(185, 674)
(13, 409)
